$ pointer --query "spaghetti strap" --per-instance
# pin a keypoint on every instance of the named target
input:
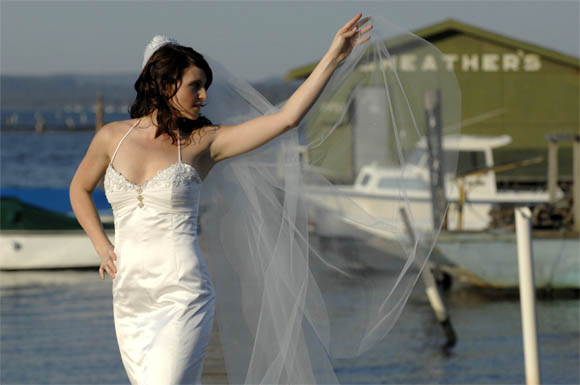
(123, 138)
(178, 146)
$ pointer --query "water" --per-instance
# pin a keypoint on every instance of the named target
(57, 328)
(41, 160)
(38, 168)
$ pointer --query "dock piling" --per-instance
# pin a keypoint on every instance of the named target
(552, 169)
(432, 292)
(576, 182)
(99, 112)
(527, 294)
(553, 140)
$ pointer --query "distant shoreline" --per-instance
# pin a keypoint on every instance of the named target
(51, 129)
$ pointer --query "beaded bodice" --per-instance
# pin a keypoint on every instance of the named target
(174, 175)
(174, 189)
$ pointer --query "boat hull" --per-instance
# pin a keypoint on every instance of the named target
(48, 249)
(490, 259)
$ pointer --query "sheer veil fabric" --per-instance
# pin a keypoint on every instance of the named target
(288, 304)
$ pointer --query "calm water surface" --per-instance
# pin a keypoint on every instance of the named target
(57, 328)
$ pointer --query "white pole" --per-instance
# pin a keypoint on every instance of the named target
(527, 294)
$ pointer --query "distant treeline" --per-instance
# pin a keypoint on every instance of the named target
(56, 91)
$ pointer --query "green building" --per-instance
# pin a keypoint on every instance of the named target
(511, 87)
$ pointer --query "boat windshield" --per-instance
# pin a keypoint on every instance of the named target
(461, 162)
(455, 162)
(408, 184)
(365, 179)
(417, 157)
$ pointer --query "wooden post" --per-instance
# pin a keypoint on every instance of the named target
(576, 182)
(431, 289)
(552, 169)
(553, 139)
(39, 124)
(99, 124)
(432, 105)
(460, 204)
(99, 120)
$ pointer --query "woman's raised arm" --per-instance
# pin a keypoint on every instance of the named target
(238, 139)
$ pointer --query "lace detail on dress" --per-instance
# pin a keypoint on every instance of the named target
(172, 176)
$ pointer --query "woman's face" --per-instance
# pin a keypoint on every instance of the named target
(191, 93)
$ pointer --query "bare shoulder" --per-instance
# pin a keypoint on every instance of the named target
(109, 135)
(118, 127)
(112, 128)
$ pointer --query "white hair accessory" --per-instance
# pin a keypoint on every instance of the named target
(157, 42)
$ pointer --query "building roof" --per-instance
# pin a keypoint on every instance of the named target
(451, 27)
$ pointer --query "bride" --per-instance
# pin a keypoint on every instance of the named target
(172, 89)
(232, 182)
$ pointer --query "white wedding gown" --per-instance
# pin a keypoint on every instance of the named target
(163, 298)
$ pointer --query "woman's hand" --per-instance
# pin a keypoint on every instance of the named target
(238, 139)
(108, 257)
(349, 37)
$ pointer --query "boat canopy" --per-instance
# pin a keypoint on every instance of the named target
(471, 142)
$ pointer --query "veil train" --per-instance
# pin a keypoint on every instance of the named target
(287, 240)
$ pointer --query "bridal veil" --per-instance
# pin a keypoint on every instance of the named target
(289, 300)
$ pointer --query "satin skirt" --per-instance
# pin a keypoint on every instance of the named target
(163, 300)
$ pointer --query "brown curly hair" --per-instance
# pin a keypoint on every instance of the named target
(159, 82)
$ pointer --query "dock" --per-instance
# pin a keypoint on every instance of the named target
(214, 369)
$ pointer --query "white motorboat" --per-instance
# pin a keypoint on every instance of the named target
(468, 249)
(377, 189)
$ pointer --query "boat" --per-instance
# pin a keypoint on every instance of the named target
(471, 194)
(468, 248)
(489, 259)
(35, 238)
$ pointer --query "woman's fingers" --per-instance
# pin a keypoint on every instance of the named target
(354, 31)
(362, 22)
(349, 24)
(366, 29)
(109, 267)
(362, 40)
(108, 256)
(112, 267)
(356, 28)
(351, 33)
(111, 264)
(354, 24)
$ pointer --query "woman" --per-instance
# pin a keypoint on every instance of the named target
(162, 293)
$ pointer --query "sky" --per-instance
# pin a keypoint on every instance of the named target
(255, 40)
